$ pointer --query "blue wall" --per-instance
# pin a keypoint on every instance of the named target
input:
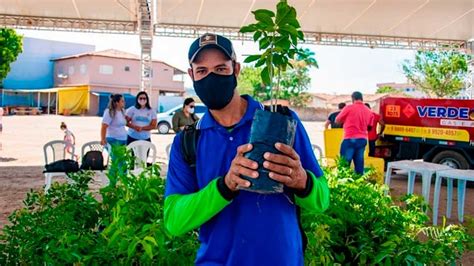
(33, 68)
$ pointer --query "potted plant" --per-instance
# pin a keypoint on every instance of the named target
(278, 35)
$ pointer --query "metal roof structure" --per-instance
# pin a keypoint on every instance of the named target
(400, 24)
(403, 24)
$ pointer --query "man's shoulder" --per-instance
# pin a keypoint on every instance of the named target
(334, 114)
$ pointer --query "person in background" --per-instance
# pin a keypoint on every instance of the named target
(141, 119)
(184, 117)
(69, 138)
(113, 130)
(332, 117)
(357, 120)
(373, 135)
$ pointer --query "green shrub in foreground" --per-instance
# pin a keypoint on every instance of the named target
(68, 225)
(363, 226)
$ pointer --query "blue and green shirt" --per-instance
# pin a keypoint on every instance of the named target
(250, 228)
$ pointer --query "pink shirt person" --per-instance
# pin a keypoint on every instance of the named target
(356, 118)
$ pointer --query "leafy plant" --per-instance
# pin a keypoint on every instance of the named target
(363, 226)
(68, 225)
(54, 228)
(135, 232)
(293, 84)
(277, 35)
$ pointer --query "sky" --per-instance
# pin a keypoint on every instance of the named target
(342, 70)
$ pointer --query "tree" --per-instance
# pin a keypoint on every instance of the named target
(440, 73)
(10, 47)
(250, 82)
(386, 89)
(293, 84)
(296, 81)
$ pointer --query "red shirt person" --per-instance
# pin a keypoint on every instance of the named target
(356, 119)
(373, 135)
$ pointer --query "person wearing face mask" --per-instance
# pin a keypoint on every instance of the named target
(237, 227)
(185, 116)
(141, 119)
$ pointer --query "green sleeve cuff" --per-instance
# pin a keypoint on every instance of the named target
(318, 199)
(184, 213)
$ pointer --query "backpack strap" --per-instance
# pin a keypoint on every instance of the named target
(189, 139)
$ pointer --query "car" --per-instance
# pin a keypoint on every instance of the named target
(165, 119)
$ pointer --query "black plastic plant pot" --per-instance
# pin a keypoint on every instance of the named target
(267, 129)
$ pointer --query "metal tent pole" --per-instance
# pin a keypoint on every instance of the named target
(145, 29)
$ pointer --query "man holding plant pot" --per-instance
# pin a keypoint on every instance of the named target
(238, 227)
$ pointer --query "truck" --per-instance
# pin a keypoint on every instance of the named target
(435, 130)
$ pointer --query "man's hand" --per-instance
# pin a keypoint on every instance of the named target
(286, 168)
(241, 166)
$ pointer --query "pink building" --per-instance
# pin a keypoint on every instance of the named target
(115, 71)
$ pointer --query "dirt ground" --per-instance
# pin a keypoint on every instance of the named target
(21, 160)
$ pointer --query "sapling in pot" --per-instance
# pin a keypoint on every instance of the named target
(277, 35)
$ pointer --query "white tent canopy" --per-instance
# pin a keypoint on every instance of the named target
(436, 19)
(383, 23)
(87, 15)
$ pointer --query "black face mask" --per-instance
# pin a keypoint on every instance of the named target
(216, 91)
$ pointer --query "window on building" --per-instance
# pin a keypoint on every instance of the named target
(127, 68)
(70, 70)
(83, 69)
(106, 69)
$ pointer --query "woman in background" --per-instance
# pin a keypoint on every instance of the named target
(141, 119)
(185, 116)
(113, 130)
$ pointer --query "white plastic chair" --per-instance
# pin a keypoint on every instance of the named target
(96, 146)
(57, 150)
(461, 176)
(141, 151)
(425, 169)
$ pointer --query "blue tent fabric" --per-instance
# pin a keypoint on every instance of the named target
(19, 99)
(104, 101)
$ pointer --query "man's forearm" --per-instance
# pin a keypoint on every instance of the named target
(184, 213)
(318, 199)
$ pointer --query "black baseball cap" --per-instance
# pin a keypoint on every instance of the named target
(211, 40)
